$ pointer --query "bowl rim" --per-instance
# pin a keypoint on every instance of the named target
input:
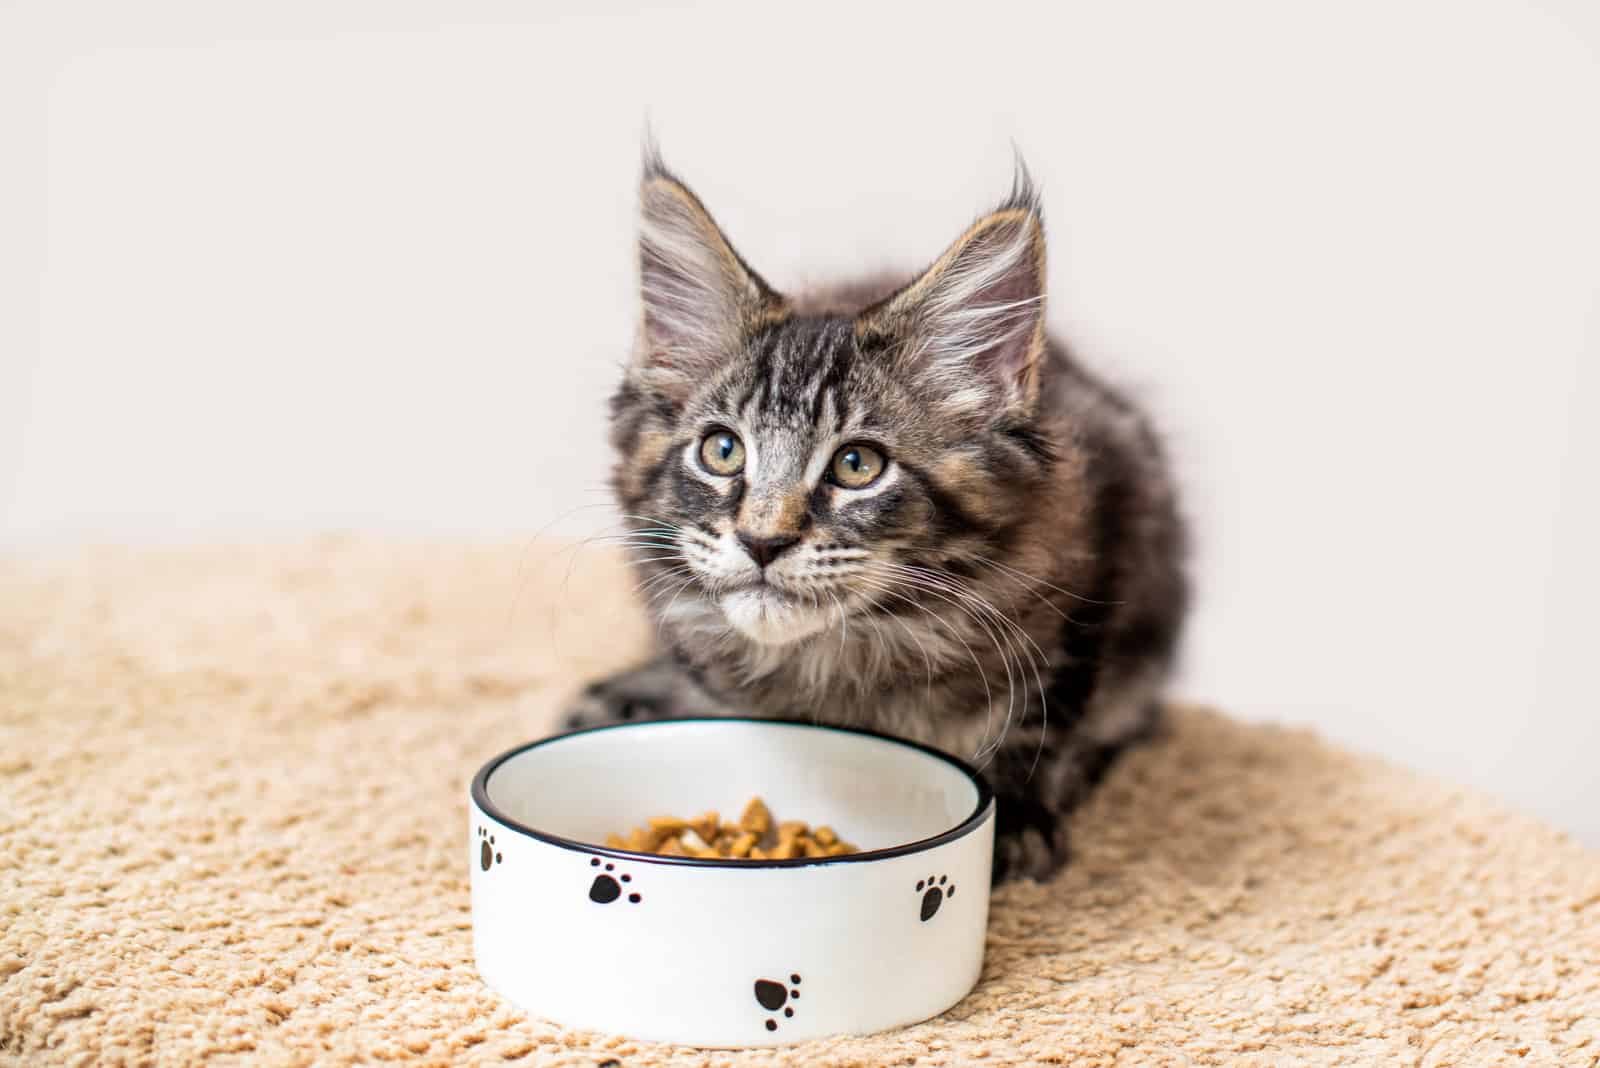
(980, 812)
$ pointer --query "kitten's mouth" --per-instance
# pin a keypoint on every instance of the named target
(770, 615)
(763, 597)
(761, 585)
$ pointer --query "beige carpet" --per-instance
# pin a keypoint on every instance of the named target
(231, 819)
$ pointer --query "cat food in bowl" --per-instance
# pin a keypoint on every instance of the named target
(720, 951)
(754, 836)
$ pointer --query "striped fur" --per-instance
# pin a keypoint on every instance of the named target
(1010, 589)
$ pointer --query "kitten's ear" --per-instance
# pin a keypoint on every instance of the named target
(699, 298)
(974, 322)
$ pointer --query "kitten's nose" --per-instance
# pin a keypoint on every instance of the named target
(765, 550)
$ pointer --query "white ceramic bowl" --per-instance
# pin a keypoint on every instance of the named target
(729, 953)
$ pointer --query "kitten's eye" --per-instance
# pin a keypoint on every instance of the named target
(857, 466)
(722, 453)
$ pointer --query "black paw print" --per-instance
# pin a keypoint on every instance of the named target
(773, 994)
(605, 889)
(487, 857)
(934, 895)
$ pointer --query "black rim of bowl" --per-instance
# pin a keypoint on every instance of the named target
(480, 797)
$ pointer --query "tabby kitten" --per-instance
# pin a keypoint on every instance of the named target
(901, 507)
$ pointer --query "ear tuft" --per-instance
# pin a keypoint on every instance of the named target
(1024, 193)
(651, 163)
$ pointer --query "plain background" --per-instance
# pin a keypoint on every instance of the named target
(273, 269)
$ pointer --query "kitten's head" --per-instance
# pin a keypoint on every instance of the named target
(792, 462)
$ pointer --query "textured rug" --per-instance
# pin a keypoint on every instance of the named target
(232, 805)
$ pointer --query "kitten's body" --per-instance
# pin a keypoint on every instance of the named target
(1013, 594)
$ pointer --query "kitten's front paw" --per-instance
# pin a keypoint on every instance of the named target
(614, 701)
(1027, 854)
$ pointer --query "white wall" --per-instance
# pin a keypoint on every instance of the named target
(286, 267)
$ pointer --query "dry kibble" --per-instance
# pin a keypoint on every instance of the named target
(706, 826)
(754, 837)
(756, 817)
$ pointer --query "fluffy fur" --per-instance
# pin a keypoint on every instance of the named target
(1009, 589)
